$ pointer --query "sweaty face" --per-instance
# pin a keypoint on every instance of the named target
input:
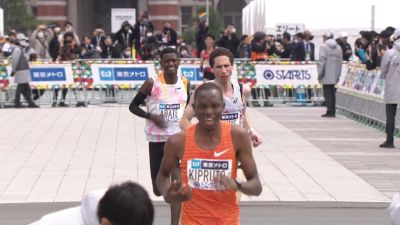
(222, 69)
(170, 63)
(208, 107)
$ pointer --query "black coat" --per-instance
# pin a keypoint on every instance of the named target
(110, 52)
(125, 38)
(287, 51)
(299, 52)
(231, 43)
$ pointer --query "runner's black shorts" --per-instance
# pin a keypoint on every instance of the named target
(156, 152)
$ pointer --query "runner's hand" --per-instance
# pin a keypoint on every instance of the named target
(177, 194)
(226, 182)
(255, 138)
(158, 120)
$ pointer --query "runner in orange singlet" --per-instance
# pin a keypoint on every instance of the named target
(209, 152)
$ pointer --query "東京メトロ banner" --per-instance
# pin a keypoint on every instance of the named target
(51, 74)
(122, 73)
(286, 74)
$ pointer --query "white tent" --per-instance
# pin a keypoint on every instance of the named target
(319, 15)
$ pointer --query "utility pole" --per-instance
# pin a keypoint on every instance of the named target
(373, 17)
(207, 12)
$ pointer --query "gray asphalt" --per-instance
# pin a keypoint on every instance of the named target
(24, 213)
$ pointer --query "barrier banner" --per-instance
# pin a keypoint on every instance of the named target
(122, 73)
(51, 74)
(191, 72)
(4, 71)
(360, 80)
(267, 74)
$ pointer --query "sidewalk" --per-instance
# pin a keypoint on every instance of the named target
(58, 154)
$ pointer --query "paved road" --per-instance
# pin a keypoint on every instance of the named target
(24, 213)
(353, 145)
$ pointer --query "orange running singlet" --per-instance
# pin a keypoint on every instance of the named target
(209, 206)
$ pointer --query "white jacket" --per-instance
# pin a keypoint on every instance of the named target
(86, 214)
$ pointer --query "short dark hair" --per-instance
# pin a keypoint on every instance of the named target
(209, 86)
(220, 52)
(286, 35)
(68, 23)
(126, 204)
(210, 36)
(168, 50)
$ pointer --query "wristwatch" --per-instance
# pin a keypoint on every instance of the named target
(238, 184)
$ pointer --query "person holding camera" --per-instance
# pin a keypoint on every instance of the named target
(40, 41)
(125, 36)
(168, 35)
(230, 40)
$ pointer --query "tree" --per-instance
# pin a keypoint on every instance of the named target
(16, 16)
(214, 27)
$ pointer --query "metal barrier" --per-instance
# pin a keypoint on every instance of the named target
(84, 92)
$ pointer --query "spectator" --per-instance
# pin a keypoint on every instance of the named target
(385, 37)
(244, 48)
(88, 51)
(205, 67)
(309, 46)
(271, 48)
(126, 53)
(7, 46)
(54, 45)
(69, 48)
(125, 36)
(109, 51)
(230, 40)
(390, 71)
(69, 28)
(141, 28)
(360, 51)
(40, 41)
(98, 38)
(126, 203)
(287, 46)
(329, 70)
(367, 39)
(168, 35)
(259, 47)
(20, 69)
(345, 46)
(299, 53)
(200, 37)
(184, 51)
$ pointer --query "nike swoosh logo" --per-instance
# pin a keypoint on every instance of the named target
(218, 154)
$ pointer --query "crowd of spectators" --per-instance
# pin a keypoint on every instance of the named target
(140, 41)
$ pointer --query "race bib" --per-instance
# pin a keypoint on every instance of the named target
(171, 112)
(233, 118)
(201, 173)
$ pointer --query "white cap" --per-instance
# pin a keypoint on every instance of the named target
(343, 34)
(21, 37)
(328, 34)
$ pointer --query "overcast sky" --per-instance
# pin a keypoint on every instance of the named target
(322, 14)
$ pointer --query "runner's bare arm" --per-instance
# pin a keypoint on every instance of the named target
(254, 136)
(188, 114)
(172, 191)
(242, 145)
(134, 107)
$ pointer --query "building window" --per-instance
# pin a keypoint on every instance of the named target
(186, 16)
